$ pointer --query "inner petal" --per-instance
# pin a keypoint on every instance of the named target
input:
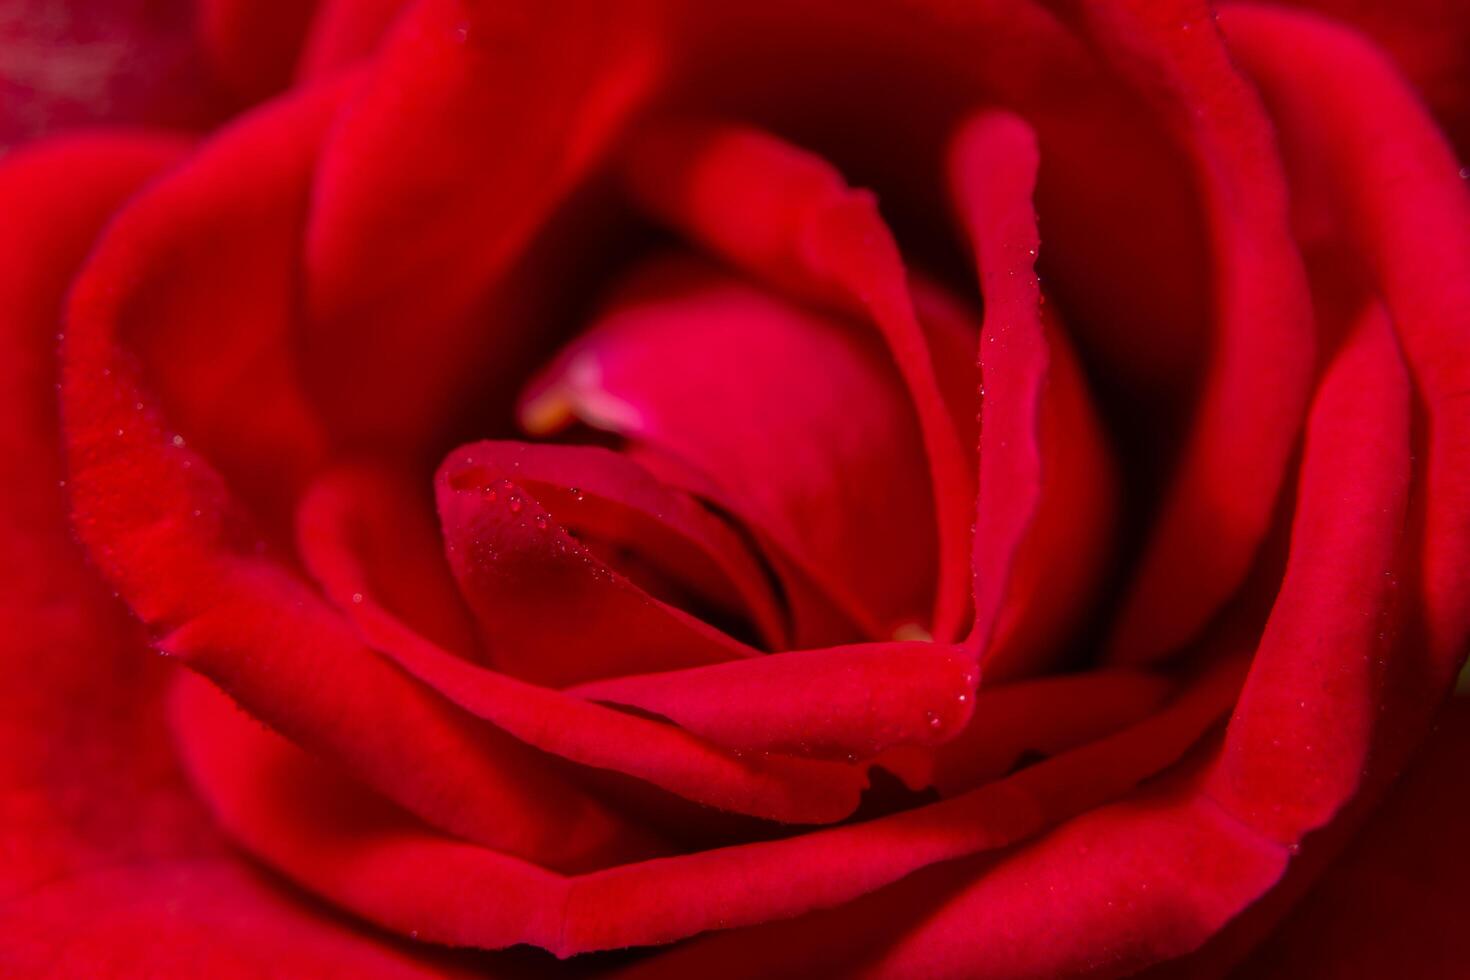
(795, 422)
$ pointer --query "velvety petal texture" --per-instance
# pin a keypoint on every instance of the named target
(940, 489)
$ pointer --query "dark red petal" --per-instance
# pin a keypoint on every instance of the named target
(213, 918)
(253, 47)
(549, 610)
(1049, 715)
(1397, 190)
(1394, 903)
(1260, 368)
(1298, 742)
(160, 524)
(1047, 491)
(1119, 888)
(796, 418)
(344, 32)
(788, 216)
(418, 185)
(852, 701)
(774, 787)
(336, 839)
(370, 530)
(216, 331)
(608, 498)
(110, 867)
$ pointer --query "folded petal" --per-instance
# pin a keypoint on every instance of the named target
(852, 701)
(334, 838)
(1299, 739)
(1407, 214)
(770, 786)
(111, 868)
(1258, 375)
(789, 217)
(797, 420)
(160, 523)
(549, 609)
(1047, 488)
(417, 184)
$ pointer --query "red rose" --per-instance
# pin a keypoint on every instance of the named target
(573, 516)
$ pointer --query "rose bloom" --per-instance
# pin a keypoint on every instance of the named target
(930, 488)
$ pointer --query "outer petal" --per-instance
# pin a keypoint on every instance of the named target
(196, 568)
(475, 123)
(1408, 215)
(108, 866)
(1394, 902)
(335, 839)
(1260, 370)
(1428, 40)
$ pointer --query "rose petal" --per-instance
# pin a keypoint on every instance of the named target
(160, 524)
(336, 840)
(774, 787)
(850, 701)
(1394, 902)
(1223, 490)
(828, 464)
(787, 215)
(416, 185)
(1047, 488)
(111, 868)
(370, 530)
(225, 372)
(1428, 40)
(1408, 212)
(550, 610)
(1298, 741)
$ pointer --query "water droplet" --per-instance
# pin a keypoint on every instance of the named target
(1465, 173)
(177, 441)
(963, 698)
(934, 720)
(198, 512)
(492, 495)
(577, 494)
(357, 598)
(61, 483)
(462, 32)
(119, 431)
(1293, 849)
(515, 503)
(541, 521)
(138, 406)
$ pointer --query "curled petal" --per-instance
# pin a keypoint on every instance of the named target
(788, 216)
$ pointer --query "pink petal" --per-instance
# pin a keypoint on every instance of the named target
(788, 216)
(828, 464)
